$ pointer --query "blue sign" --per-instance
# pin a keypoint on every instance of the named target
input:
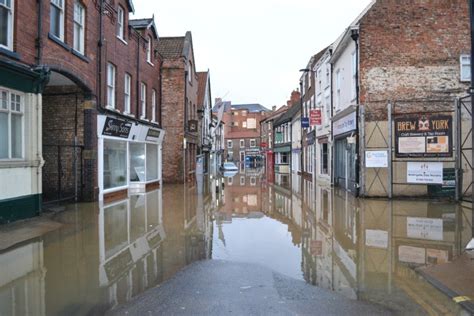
(305, 122)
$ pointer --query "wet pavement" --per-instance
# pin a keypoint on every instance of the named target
(286, 247)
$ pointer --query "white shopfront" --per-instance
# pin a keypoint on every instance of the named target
(129, 155)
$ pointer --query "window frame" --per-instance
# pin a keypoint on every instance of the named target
(153, 105)
(61, 20)
(82, 27)
(143, 100)
(461, 65)
(127, 94)
(10, 25)
(10, 114)
(230, 144)
(254, 142)
(242, 141)
(120, 32)
(149, 49)
(111, 86)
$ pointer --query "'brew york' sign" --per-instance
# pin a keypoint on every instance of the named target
(422, 136)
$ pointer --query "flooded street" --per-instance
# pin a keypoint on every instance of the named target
(103, 256)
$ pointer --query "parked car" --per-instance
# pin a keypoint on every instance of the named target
(229, 166)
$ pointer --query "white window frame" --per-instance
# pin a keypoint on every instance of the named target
(10, 24)
(230, 144)
(120, 23)
(354, 75)
(111, 75)
(10, 113)
(338, 89)
(81, 26)
(190, 72)
(153, 105)
(462, 63)
(148, 50)
(60, 5)
(242, 143)
(127, 94)
(254, 143)
(143, 100)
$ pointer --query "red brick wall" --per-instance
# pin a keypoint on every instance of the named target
(410, 50)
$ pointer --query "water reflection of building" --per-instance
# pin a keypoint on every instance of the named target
(22, 280)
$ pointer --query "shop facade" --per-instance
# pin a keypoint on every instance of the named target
(345, 150)
(130, 157)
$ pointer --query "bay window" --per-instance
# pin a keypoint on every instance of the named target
(57, 19)
(6, 24)
(11, 125)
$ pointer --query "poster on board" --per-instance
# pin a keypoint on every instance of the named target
(376, 159)
(425, 172)
(424, 136)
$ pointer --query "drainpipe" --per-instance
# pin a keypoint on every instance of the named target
(139, 91)
(185, 123)
(39, 39)
(161, 94)
(100, 44)
(332, 123)
(471, 90)
(355, 38)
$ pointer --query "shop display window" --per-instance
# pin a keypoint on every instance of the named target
(115, 164)
(137, 162)
(151, 162)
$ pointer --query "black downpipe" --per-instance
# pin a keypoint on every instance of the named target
(355, 38)
(185, 123)
(100, 43)
(39, 39)
(471, 90)
(332, 123)
(161, 94)
(139, 91)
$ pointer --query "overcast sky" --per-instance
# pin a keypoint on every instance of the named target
(253, 48)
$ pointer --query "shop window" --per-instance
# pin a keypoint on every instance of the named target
(115, 164)
(11, 125)
(6, 23)
(57, 19)
(151, 162)
(137, 162)
(79, 24)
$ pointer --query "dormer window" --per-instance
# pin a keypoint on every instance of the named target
(120, 23)
(148, 49)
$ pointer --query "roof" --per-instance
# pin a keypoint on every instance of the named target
(275, 114)
(202, 85)
(288, 115)
(130, 6)
(140, 24)
(171, 47)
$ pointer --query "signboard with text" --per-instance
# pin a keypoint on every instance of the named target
(346, 124)
(376, 159)
(425, 172)
(305, 122)
(315, 117)
(424, 136)
(425, 228)
(116, 128)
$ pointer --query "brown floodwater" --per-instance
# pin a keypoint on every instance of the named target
(104, 255)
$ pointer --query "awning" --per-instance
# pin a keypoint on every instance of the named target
(282, 149)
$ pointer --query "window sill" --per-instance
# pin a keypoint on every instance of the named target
(59, 42)
(129, 114)
(121, 39)
(112, 108)
(9, 53)
(80, 55)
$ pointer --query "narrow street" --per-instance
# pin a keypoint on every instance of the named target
(235, 244)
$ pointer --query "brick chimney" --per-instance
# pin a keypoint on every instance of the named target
(295, 97)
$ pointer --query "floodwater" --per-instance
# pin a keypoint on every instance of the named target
(105, 255)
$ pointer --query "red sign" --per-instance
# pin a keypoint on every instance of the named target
(315, 117)
(263, 145)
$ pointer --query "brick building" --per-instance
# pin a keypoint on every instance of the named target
(399, 59)
(242, 132)
(99, 107)
(179, 106)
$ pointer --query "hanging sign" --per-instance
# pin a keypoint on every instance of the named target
(304, 122)
(315, 117)
(376, 159)
(425, 172)
(422, 136)
(116, 128)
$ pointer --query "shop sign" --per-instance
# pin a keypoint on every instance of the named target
(304, 122)
(116, 128)
(376, 159)
(423, 136)
(346, 124)
(315, 117)
(411, 254)
(316, 247)
(376, 238)
(153, 135)
(311, 138)
(425, 228)
(425, 172)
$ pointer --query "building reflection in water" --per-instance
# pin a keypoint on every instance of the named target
(104, 255)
